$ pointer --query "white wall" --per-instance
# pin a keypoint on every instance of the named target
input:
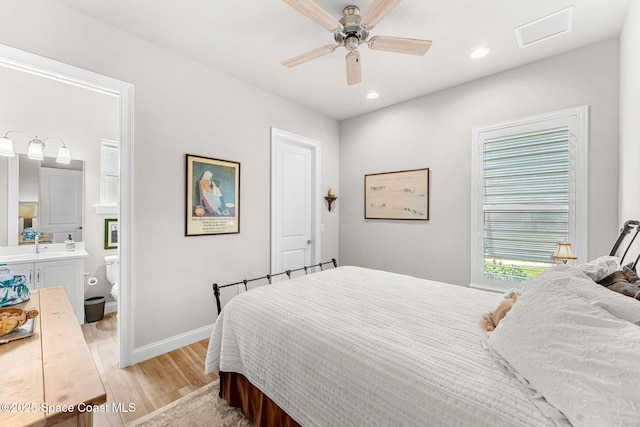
(80, 117)
(629, 115)
(180, 107)
(435, 131)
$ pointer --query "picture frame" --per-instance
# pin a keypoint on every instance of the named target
(111, 231)
(400, 195)
(212, 203)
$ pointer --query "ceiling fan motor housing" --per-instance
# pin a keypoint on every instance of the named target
(352, 31)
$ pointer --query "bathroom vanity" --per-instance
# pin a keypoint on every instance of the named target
(52, 266)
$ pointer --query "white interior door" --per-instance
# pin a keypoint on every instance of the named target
(294, 216)
(61, 203)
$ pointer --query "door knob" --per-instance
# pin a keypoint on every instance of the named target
(309, 242)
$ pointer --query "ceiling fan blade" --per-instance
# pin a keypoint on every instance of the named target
(314, 12)
(378, 10)
(354, 72)
(308, 56)
(400, 45)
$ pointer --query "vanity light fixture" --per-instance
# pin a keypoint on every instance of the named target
(36, 147)
(480, 52)
(6, 147)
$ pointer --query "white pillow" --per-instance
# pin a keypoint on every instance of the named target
(600, 267)
(581, 358)
(570, 278)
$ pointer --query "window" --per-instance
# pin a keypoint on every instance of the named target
(109, 177)
(529, 192)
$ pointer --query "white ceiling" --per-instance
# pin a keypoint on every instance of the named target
(249, 39)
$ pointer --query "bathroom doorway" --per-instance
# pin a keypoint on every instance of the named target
(29, 63)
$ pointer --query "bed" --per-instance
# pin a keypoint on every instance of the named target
(352, 346)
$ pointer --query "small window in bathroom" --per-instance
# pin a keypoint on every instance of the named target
(110, 172)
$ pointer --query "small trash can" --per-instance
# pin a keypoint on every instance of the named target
(93, 309)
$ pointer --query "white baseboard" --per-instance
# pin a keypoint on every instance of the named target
(111, 307)
(161, 347)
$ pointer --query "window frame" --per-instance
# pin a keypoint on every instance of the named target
(105, 207)
(577, 120)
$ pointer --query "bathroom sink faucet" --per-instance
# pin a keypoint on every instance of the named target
(39, 248)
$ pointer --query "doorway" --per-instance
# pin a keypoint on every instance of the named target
(38, 65)
(295, 206)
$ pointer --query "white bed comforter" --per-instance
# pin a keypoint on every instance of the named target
(358, 347)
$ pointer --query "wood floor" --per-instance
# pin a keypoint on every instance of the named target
(148, 385)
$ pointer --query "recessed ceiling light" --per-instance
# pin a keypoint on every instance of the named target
(480, 52)
(373, 95)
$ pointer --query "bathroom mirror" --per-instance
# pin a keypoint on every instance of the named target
(45, 196)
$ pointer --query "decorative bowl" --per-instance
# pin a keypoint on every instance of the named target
(12, 318)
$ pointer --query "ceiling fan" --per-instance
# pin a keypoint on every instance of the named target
(352, 30)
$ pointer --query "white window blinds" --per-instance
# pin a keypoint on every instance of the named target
(110, 171)
(526, 194)
(529, 192)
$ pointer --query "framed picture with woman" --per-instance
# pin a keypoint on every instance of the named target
(212, 196)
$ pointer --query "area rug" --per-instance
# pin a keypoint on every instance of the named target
(203, 408)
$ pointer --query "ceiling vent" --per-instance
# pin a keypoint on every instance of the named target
(546, 27)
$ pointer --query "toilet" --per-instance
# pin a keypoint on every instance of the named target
(113, 273)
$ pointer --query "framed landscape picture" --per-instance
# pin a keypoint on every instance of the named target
(397, 195)
(212, 196)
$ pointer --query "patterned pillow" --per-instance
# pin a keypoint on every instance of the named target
(625, 282)
(14, 291)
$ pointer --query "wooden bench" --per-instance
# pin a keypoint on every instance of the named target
(50, 378)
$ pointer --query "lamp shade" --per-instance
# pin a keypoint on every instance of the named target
(27, 210)
(6, 147)
(564, 252)
(35, 150)
(64, 155)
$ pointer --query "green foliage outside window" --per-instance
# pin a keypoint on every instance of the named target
(506, 270)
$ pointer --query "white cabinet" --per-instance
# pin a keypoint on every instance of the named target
(25, 270)
(60, 272)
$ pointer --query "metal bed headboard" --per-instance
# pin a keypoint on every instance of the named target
(269, 277)
(627, 228)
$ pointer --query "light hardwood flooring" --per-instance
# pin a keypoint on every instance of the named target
(148, 385)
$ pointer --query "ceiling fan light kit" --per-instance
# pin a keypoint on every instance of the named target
(351, 31)
(354, 72)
